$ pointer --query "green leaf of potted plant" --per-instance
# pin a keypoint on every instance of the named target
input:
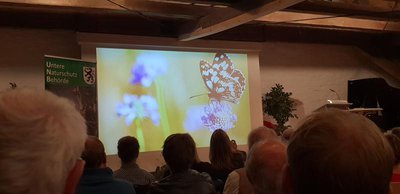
(279, 105)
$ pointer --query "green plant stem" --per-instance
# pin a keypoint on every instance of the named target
(164, 121)
(139, 134)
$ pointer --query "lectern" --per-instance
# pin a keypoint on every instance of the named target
(339, 104)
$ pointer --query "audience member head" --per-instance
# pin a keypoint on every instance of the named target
(128, 149)
(339, 152)
(394, 142)
(396, 131)
(179, 152)
(221, 150)
(41, 139)
(287, 134)
(94, 154)
(265, 165)
(259, 134)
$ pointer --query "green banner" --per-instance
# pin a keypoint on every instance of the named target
(76, 80)
(69, 72)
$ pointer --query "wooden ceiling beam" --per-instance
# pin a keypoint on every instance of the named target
(372, 10)
(150, 8)
(369, 5)
(330, 21)
(227, 18)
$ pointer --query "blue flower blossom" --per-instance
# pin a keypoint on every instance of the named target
(147, 68)
(219, 115)
(138, 107)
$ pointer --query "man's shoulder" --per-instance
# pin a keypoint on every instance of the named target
(201, 177)
(144, 172)
(121, 182)
(117, 172)
(106, 184)
(133, 172)
(188, 182)
(192, 176)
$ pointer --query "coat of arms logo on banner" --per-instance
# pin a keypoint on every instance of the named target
(89, 75)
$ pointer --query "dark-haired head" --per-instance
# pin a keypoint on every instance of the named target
(221, 152)
(94, 154)
(128, 149)
(179, 152)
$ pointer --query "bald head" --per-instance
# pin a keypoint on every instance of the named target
(94, 154)
(265, 166)
(259, 134)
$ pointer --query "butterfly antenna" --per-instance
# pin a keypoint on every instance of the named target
(196, 96)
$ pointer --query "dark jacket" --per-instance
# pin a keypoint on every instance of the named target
(186, 182)
(101, 181)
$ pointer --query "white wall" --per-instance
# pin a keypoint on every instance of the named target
(22, 54)
(307, 70)
(310, 70)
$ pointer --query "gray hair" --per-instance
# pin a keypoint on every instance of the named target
(265, 165)
(339, 152)
(260, 134)
(395, 131)
(41, 137)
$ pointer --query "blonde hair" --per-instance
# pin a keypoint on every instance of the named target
(339, 152)
(41, 137)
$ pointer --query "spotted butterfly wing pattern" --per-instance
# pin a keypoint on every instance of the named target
(223, 81)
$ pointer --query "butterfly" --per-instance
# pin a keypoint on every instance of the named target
(223, 81)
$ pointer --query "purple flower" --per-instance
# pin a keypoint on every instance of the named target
(193, 120)
(147, 68)
(218, 115)
(138, 107)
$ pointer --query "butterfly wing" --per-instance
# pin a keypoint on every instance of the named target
(207, 72)
(223, 81)
(213, 73)
(238, 76)
(234, 86)
(223, 64)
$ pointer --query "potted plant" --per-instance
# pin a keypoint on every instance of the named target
(279, 105)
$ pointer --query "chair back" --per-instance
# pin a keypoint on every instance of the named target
(141, 189)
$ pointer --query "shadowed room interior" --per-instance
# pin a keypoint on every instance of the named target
(311, 47)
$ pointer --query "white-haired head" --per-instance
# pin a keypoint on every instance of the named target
(41, 138)
(265, 165)
(260, 134)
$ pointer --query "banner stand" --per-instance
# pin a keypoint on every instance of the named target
(76, 80)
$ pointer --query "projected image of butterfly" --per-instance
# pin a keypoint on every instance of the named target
(224, 82)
